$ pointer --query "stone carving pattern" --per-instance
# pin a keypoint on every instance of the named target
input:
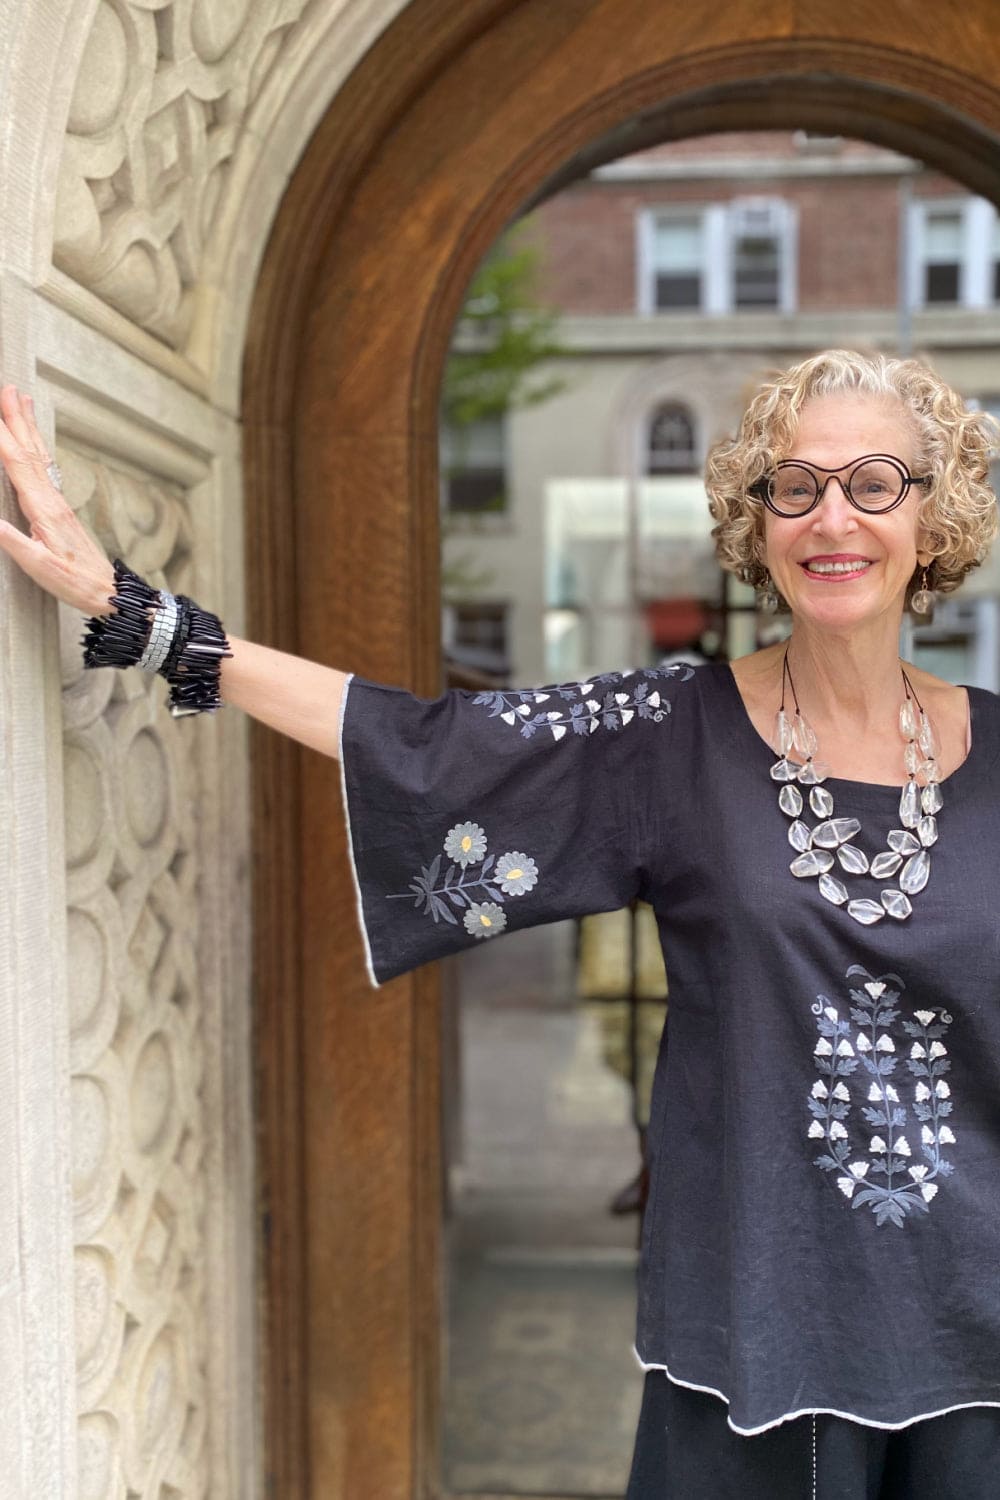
(161, 100)
(137, 1058)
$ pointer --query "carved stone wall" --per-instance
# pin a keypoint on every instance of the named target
(165, 89)
(137, 1002)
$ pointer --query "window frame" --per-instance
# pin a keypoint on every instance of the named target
(719, 235)
(977, 262)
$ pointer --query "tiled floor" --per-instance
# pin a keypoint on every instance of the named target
(543, 1391)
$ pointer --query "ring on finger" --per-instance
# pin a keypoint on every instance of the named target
(54, 474)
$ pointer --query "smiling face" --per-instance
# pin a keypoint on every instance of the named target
(839, 567)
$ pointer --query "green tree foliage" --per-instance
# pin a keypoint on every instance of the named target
(503, 335)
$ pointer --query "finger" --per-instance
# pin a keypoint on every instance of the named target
(35, 439)
(10, 407)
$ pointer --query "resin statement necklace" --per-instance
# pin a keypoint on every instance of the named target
(820, 850)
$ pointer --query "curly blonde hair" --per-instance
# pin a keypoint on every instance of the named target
(958, 512)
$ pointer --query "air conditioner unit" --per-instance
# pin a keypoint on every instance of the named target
(756, 216)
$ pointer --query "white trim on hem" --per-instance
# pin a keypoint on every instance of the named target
(377, 984)
(806, 1411)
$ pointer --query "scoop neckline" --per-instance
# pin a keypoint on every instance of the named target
(876, 793)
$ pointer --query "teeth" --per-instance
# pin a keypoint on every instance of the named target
(837, 567)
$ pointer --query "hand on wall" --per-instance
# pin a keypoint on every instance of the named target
(59, 554)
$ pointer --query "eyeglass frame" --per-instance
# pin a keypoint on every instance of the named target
(759, 489)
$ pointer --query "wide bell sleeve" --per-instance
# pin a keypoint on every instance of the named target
(475, 813)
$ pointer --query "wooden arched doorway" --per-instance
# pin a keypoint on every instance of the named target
(455, 120)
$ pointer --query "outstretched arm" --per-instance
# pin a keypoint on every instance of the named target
(296, 697)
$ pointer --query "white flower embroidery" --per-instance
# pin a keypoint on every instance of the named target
(471, 874)
(465, 843)
(485, 919)
(865, 1045)
(622, 701)
(516, 873)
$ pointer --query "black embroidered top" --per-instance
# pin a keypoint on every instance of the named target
(823, 1226)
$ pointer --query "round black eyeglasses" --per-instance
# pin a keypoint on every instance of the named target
(875, 483)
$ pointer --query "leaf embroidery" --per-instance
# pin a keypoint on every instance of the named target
(513, 874)
(883, 1174)
(587, 707)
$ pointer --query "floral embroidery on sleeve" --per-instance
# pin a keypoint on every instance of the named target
(513, 874)
(902, 1186)
(617, 705)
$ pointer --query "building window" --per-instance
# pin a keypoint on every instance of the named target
(943, 254)
(954, 253)
(473, 466)
(476, 635)
(678, 259)
(721, 258)
(760, 252)
(671, 446)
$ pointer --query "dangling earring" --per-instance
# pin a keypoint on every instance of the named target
(923, 600)
(768, 597)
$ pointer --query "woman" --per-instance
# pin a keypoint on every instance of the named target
(818, 830)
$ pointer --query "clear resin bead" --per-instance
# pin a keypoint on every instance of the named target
(903, 842)
(790, 801)
(927, 831)
(833, 889)
(916, 873)
(931, 771)
(885, 865)
(782, 732)
(853, 860)
(896, 904)
(804, 736)
(907, 720)
(813, 862)
(783, 770)
(821, 802)
(835, 831)
(813, 772)
(867, 912)
(912, 758)
(931, 799)
(927, 738)
(909, 805)
(799, 836)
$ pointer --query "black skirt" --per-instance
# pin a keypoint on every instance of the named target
(686, 1450)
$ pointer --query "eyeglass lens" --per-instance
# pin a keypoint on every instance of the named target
(873, 485)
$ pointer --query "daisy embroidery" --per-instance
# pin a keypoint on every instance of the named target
(475, 883)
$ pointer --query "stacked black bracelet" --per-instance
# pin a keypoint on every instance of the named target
(164, 633)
